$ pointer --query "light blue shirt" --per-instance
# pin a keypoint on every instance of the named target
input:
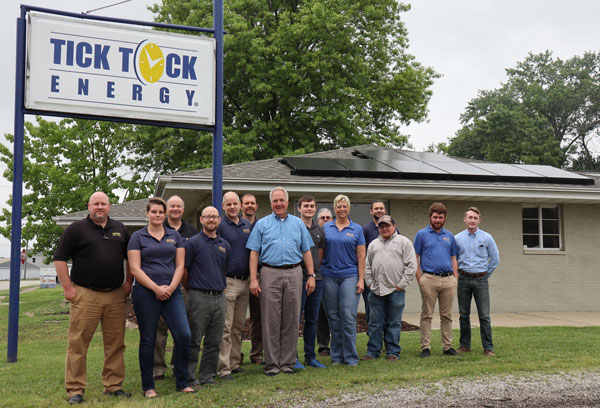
(279, 242)
(477, 252)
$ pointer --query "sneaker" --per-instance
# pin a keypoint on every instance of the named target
(367, 358)
(489, 353)
(209, 381)
(227, 377)
(238, 370)
(391, 357)
(450, 352)
(315, 363)
(298, 365)
(462, 349)
(425, 353)
(76, 399)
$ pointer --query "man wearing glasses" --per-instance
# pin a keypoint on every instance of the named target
(323, 334)
(391, 265)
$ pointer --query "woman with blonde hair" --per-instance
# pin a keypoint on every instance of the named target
(343, 271)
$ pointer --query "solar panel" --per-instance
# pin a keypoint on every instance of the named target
(384, 155)
(414, 167)
(502, 169)
(309, 166)
(428, 157)
(367, 168)
(462, 169)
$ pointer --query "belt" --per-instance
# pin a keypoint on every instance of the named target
(242, 278)
(209, 292)
(98, 289)
(282, 266)
(471, 275)
(443, 275)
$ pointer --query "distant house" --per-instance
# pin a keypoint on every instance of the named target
(545, 220)
(32, 271)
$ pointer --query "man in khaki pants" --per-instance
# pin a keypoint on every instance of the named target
(437, 272)
(97, 289)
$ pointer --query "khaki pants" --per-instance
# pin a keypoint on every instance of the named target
(434, 288)
(256, 347)
(280, 300)
(89, 307)
(237, 293)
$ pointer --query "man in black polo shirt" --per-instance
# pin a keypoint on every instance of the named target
(173, 220)
(206, 258)
(97, 289)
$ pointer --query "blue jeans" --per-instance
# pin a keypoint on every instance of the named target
(148, 309)
(341, 305)
(469, 287)
(386, 312)
(310, 307)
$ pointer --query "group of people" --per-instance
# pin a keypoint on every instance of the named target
(198, 286)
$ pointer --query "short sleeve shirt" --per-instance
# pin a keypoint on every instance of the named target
(340, 258)
(206, 261)
(435, 250)
(237, 236)
(158, 257)
(318, 237)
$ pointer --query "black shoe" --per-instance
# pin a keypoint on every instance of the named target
(290, 372)
(450, 352)
(118, 393)
(159, 377)
(238, 370)
(227, 377)
(425, 353)
(76, 399)
(271, 374)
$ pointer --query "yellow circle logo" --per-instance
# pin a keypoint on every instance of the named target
(151, 62)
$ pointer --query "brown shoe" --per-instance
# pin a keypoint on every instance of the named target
(462, 349)
(367, 358)
(391, 357)
(324, 353)
(489, 353)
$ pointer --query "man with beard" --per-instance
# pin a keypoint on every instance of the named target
(437, 272)
(279, 242)
(206, 260)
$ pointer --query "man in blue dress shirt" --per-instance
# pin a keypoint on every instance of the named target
(280, 241)
(478, 257)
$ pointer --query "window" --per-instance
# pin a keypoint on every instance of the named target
(542, 227)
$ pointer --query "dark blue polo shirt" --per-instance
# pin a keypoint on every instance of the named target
(371, 232)
(318, 236)
(435, 250)
(340, 257)
(237, 237)
(206, 260)
(158, 257)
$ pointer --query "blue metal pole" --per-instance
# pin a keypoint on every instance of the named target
(17, 199)
(218, 132)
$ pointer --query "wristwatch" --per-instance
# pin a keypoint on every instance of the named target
(312, 275)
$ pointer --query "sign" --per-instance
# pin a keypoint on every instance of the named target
(23, 257)
(116, 70)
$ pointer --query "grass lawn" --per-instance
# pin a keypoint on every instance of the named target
(37, 379)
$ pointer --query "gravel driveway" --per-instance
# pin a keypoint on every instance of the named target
(573, 389)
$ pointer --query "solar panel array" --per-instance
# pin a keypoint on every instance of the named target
(389, 163)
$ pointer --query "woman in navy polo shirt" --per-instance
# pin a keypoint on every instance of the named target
(156, 256)
(343, 271)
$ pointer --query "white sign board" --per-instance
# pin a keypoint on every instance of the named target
(117, 70)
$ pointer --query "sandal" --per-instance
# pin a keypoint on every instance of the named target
(150, 394)
(186, 390)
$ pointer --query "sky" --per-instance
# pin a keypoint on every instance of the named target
(469, 42)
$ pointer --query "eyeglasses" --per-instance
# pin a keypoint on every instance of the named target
(210, 217)
(325, 217)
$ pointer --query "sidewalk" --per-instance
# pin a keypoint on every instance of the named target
(5, 284)
(522, 319)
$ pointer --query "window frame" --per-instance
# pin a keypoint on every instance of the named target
(540, 233)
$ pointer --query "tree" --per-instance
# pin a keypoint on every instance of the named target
(311, 75)
(63, 164)
(547, 112)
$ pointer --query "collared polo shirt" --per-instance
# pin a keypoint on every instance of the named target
(477, 252)
(97, 253)
(206, 260)
(237, 236)
(340, 258)
(318, 238)
(186, 230)
(435, 249)
(158, 257)
(371, 232)
(279, 242)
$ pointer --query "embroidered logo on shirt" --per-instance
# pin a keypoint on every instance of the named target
(349, 234)
(446, 239)
(222, 249)
(246, 231)
(116, 234)
(170, 241)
